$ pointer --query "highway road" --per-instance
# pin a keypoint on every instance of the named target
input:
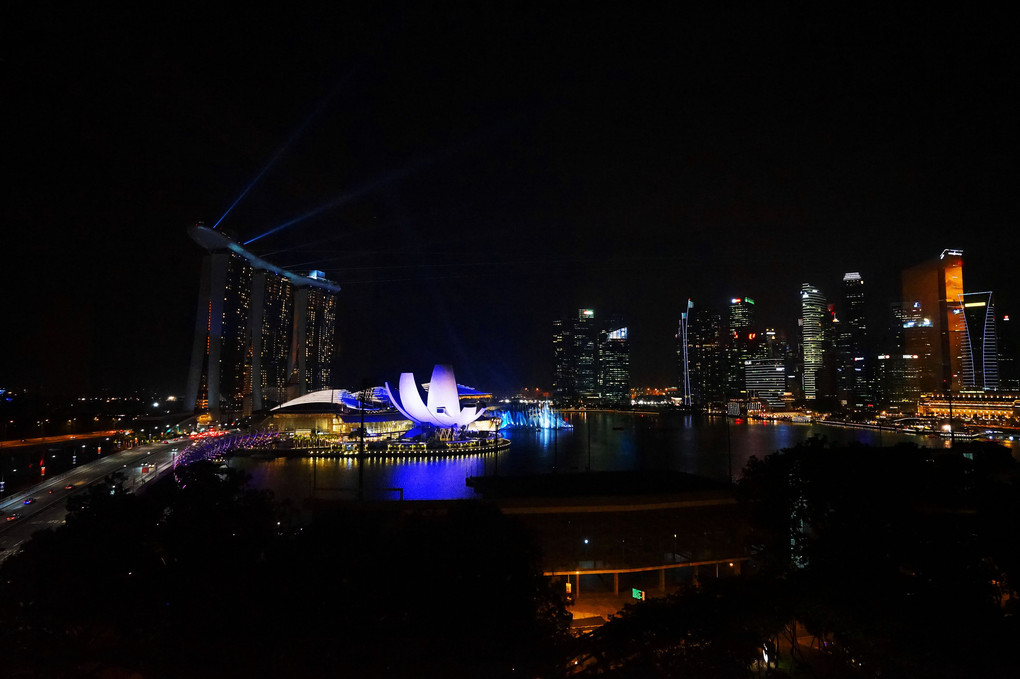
(140, 465)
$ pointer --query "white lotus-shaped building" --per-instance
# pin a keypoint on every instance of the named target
(443, 406)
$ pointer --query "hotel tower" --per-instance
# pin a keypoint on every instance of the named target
(263, 335)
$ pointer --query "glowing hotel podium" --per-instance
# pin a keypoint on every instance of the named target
(263, 334)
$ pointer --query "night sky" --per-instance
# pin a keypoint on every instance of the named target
(469, 174)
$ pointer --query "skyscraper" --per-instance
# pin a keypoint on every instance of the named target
(706, 355)
(1007, 340)
(682, 355)
(813, 309)
(741, 343)
(563, 375)
(576, 349)
(854, 368)
(585, 354)
(933, 321)
(980, 348)
(742, 315)
(614, 362)
(766, 380)
(262, 334)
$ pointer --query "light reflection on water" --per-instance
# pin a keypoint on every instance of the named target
(603, 441)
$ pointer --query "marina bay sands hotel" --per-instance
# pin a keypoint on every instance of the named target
(263, 335)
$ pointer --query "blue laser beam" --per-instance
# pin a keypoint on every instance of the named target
(290, 140)
(356, 193)
(381, 181)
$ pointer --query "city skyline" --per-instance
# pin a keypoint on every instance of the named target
(466, 179)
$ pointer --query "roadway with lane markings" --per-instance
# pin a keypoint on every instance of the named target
(140, 465)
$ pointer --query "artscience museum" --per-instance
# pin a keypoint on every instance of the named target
(449, 412)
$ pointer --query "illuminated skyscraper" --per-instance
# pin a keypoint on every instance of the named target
(742, 315)
(1007, 341)
(853, 366)
(813, 310)
(980, 348)
(706, 355)
(585, 354)
(272, 329)
(933, 321)
(741, 343)
(315, 330)
(575, 351)
(262, 334)
(766, 380)
(614, 362)
(682, 355)
(563, 377)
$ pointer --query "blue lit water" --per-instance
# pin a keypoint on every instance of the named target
(602, 440)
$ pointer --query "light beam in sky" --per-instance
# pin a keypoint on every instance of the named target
(379, 182)
(290, 140)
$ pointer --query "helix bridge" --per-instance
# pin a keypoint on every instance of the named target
(212, 448)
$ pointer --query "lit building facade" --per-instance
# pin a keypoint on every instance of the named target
(682, 355)
(741, 343)
(813, 309)
(614, 362)
(262, 334)
(591, 358)
(706, 356)
(766, 380)
(584, 354)
(575, 353)
(271, 331)
(972, 405)
(933, 321)
(854, 368)
(980, 347)
(1009, 377)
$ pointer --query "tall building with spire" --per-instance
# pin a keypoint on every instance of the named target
(262, 334)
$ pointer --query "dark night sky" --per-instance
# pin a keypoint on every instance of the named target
(500, 167)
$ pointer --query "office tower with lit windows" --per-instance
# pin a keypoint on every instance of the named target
(980, 346)
(1008, 341)
(766, 380)
(563, 378)
(706, 356)
(933, 322)
(683, 356)
(585, 353)
(742, 342)
(262, 334)
(813, 311)
(742, 315)
(853, 366)
(614, 362)
(575, 352)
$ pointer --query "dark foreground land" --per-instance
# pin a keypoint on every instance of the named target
(895, 562)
